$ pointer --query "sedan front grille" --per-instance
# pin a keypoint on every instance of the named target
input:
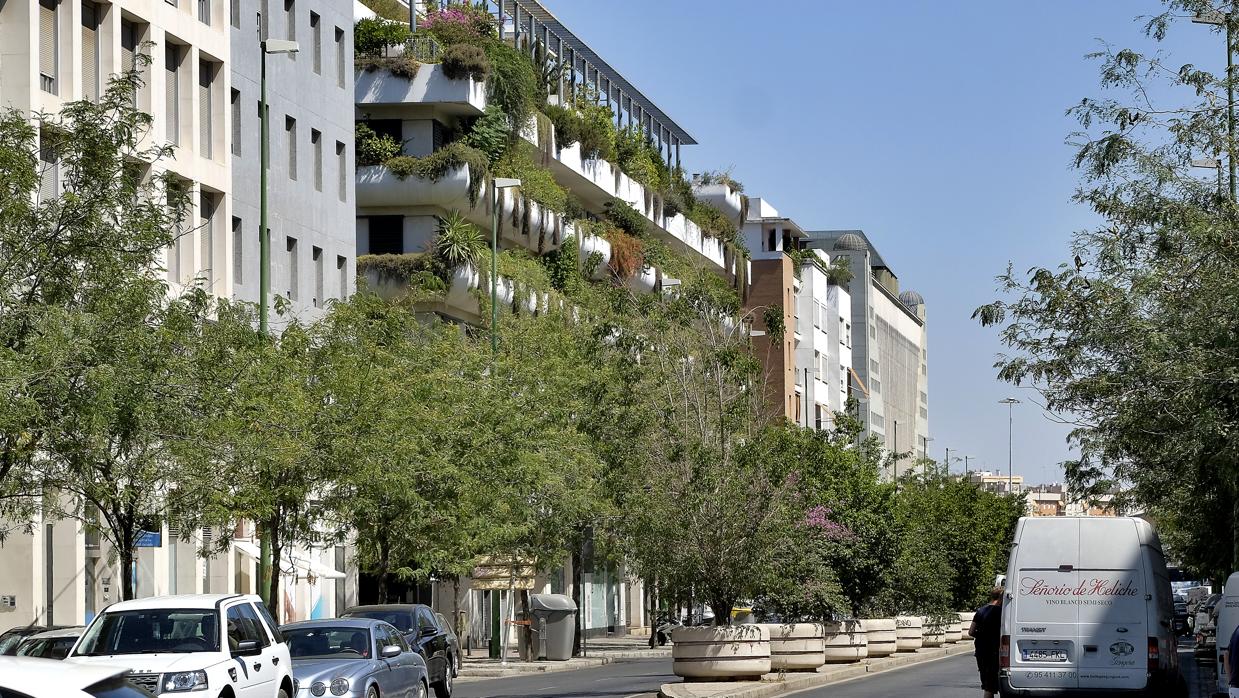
(148, 681)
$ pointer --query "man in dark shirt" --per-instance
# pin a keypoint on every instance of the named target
(986, 627)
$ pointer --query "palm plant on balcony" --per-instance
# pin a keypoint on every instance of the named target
(457, 243)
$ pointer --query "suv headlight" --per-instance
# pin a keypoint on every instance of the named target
(339, 686)
(182, 681)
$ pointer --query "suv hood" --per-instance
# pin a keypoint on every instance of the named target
(153, 663)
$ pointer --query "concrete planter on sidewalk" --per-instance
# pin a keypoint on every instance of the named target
(934, 633)
(882, 636)
(797, 646)
(736, 651)
(846, 641)
(954, 630)
(909, 633)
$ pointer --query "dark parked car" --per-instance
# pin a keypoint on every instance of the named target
(421, 630)
(1180, 616)
(53, 644)
(453, 640)
(13, 637)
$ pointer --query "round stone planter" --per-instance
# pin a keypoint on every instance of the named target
(933, 635)
(965, 622)
(909, 633)
(882, 637)
(737, 651)
(796, 646)
(954, 630)
(846, 641)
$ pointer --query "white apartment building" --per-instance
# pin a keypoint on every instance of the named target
(889, 344)
(56, 51)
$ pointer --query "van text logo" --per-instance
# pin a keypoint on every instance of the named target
(1033, 586)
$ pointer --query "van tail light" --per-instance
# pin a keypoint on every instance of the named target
(1155, 654)
(1004, 652)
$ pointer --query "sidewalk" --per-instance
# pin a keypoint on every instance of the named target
(598, 651)
(777, 684)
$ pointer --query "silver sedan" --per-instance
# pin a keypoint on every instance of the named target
(354, 657)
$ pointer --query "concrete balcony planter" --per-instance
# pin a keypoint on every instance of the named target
(378, 186)
(722, 197)
(846, 641)
(586, 247)
(465, 280)
(736, 651)
(797, 646)
(954, 630)
(465, 97)
(644, 280)
(909, 633)
(934, 633)
(883, 639)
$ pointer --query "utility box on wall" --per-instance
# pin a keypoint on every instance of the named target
(8, 603)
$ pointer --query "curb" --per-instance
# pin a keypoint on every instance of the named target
(778, 684)
(491, 671)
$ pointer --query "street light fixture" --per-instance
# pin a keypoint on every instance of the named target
(1010, 403)
(264, 264)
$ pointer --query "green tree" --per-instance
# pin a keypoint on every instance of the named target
(1133, 338)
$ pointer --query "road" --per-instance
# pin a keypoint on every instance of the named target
(618, 680)
(946, 678)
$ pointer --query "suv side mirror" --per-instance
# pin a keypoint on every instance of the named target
(246, 648)
(391, 651)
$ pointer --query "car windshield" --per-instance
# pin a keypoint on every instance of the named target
(403, 620)
(152, 631)
(10, 640)
(337, 642)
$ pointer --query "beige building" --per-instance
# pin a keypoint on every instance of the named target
(997, 482)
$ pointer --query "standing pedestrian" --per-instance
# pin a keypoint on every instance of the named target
(985, 629)
(1232, 666)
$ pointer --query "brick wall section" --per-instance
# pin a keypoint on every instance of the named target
(772, 285)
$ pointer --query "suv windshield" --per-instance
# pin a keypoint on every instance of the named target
(403, 620)
(151, 631)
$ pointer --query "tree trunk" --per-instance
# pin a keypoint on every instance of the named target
(722, 612)
(273, 590)
(126, 573)
(576, 598)
(384, 566)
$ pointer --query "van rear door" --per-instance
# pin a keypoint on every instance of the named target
(1113, 606)
(1041, 619)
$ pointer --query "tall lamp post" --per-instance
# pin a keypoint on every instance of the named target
(498, 639)
(1010, 403)
(264, 267)
(925, 454)
(1225, 19)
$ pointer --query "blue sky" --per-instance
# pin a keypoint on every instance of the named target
(936, 127)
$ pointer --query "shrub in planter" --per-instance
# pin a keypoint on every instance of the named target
(627, 218)
(374, 36)
(489, 133)
(627, 255)
(457, 242)
(567, 124)
(462, 61)
(373, 149)
(459, 22)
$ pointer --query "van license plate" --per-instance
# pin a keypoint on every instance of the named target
(1045, 655)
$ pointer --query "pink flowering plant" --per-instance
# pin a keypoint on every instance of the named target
(460, 22)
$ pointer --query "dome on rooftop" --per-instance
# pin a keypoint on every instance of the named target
(851, 241)
(911, 299)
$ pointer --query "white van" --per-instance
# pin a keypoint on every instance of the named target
(1088, 610)
(1227, 619)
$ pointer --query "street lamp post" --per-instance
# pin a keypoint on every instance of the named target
(264, 264)
(498, 639)
(1010, 403)
(925, 454)
(1225, 19)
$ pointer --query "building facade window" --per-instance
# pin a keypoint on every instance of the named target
(130, 35)
(342, 272)
(234, 13)
(316, 144)
(172, 92)
(339, 57)
(316, 40)
(342, 170)
(290, 23)
(207, 204)
(90, 51)
(49, 169)
(204, 12)
(316, 255)
(206, 108)
(290, 246)
(238, 252)
(49, 44)
(236, 123)
(290, 129)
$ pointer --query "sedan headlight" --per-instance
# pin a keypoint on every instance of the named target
(183, 681)
(318, 688)
(339, 686)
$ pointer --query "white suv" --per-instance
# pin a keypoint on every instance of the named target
(218, 645)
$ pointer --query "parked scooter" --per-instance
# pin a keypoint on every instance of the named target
(663, 626)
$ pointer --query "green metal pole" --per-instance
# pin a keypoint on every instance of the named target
(494, 273)
(264, 285)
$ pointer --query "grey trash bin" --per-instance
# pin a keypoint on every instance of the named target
(554, 618)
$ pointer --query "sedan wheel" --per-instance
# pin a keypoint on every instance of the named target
(443, 689)
(372, 692)
(421, 689)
